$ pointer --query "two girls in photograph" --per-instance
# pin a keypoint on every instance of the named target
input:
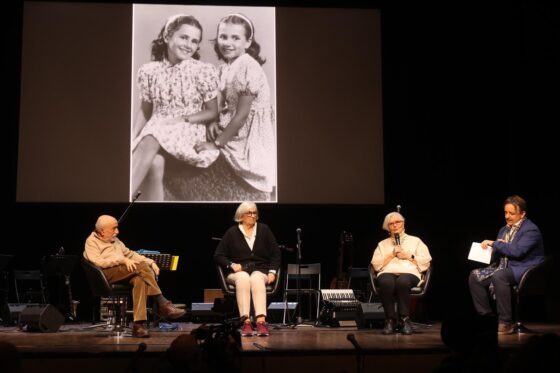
(204, 134)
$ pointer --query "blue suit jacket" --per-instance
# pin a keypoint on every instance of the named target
(525, 251)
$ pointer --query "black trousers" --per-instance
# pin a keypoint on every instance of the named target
(396, 288)
(503, 280)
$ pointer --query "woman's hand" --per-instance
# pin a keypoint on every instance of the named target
(271, 278)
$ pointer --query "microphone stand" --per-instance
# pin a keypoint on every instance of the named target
(129, 206)
(299, 320)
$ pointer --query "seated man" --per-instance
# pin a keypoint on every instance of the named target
(119, 263)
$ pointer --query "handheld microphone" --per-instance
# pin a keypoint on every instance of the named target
(397, 239)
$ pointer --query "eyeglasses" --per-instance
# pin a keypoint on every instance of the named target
(398, 222)
(251, 213)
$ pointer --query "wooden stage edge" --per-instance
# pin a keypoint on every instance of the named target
(287, 349)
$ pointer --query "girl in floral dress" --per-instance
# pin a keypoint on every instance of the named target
(179, 97)
(246, 132)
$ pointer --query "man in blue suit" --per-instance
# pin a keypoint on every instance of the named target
(519, 247)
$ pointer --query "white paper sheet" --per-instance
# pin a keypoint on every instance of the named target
(478, 254)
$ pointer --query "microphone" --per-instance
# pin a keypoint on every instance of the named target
(397, 239)
(215, 238)
(399, 208)
(298, 231)
(352, 338)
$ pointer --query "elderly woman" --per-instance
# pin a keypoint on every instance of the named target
(399, 261)
(251, 255)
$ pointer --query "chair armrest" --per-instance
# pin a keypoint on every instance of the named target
(373, 278)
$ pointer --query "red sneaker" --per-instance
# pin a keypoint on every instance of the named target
(247, 330)
(262, 329)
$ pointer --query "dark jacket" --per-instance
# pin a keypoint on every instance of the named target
(265, 255)
(525, 251)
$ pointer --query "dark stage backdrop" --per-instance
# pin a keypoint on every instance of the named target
(75, 104)
(469, 110)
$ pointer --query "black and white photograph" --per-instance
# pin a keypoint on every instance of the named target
(203, 104)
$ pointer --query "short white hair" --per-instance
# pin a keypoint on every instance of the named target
(243, 208)
(388, 217)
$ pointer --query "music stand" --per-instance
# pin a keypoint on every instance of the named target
(165, 262)
(62, 266)
(5, 316)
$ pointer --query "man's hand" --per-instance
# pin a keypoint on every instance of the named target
(155, 268)
(130, 264)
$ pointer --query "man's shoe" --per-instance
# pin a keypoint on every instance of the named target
(406, 328)
(389, 327)
(247, 330)
(262, 329)
(169, 311)
(139, 330)
(505, 328)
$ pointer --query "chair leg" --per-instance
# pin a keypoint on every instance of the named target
(519, 328)
(116, 322)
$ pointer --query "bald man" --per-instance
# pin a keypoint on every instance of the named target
(119, 263)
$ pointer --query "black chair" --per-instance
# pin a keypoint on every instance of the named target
(117, 296)
(309, 283)
(360, 274)
(417, 291)
(229, 289)
(32, 280)
(532, 283)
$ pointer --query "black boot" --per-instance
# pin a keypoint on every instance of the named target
(406, 326)
(389, 327)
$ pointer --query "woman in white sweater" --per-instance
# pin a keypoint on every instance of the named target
(399, 261)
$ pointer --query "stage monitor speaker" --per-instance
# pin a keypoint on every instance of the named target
(41, 318)
(275, 312)
(369, 315)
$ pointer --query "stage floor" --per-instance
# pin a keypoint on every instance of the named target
(308, 347)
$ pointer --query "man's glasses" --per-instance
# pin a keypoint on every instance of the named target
(251, 213)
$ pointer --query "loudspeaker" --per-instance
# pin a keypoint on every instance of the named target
(204, 312)
(369, 315)
(41, 318)
(275, 312)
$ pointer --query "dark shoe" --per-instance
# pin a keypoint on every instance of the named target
(406, 327)
(169, 311)
(262, 329)
(139, 330)
(389, 327)
(505, 328)
(247, 330)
